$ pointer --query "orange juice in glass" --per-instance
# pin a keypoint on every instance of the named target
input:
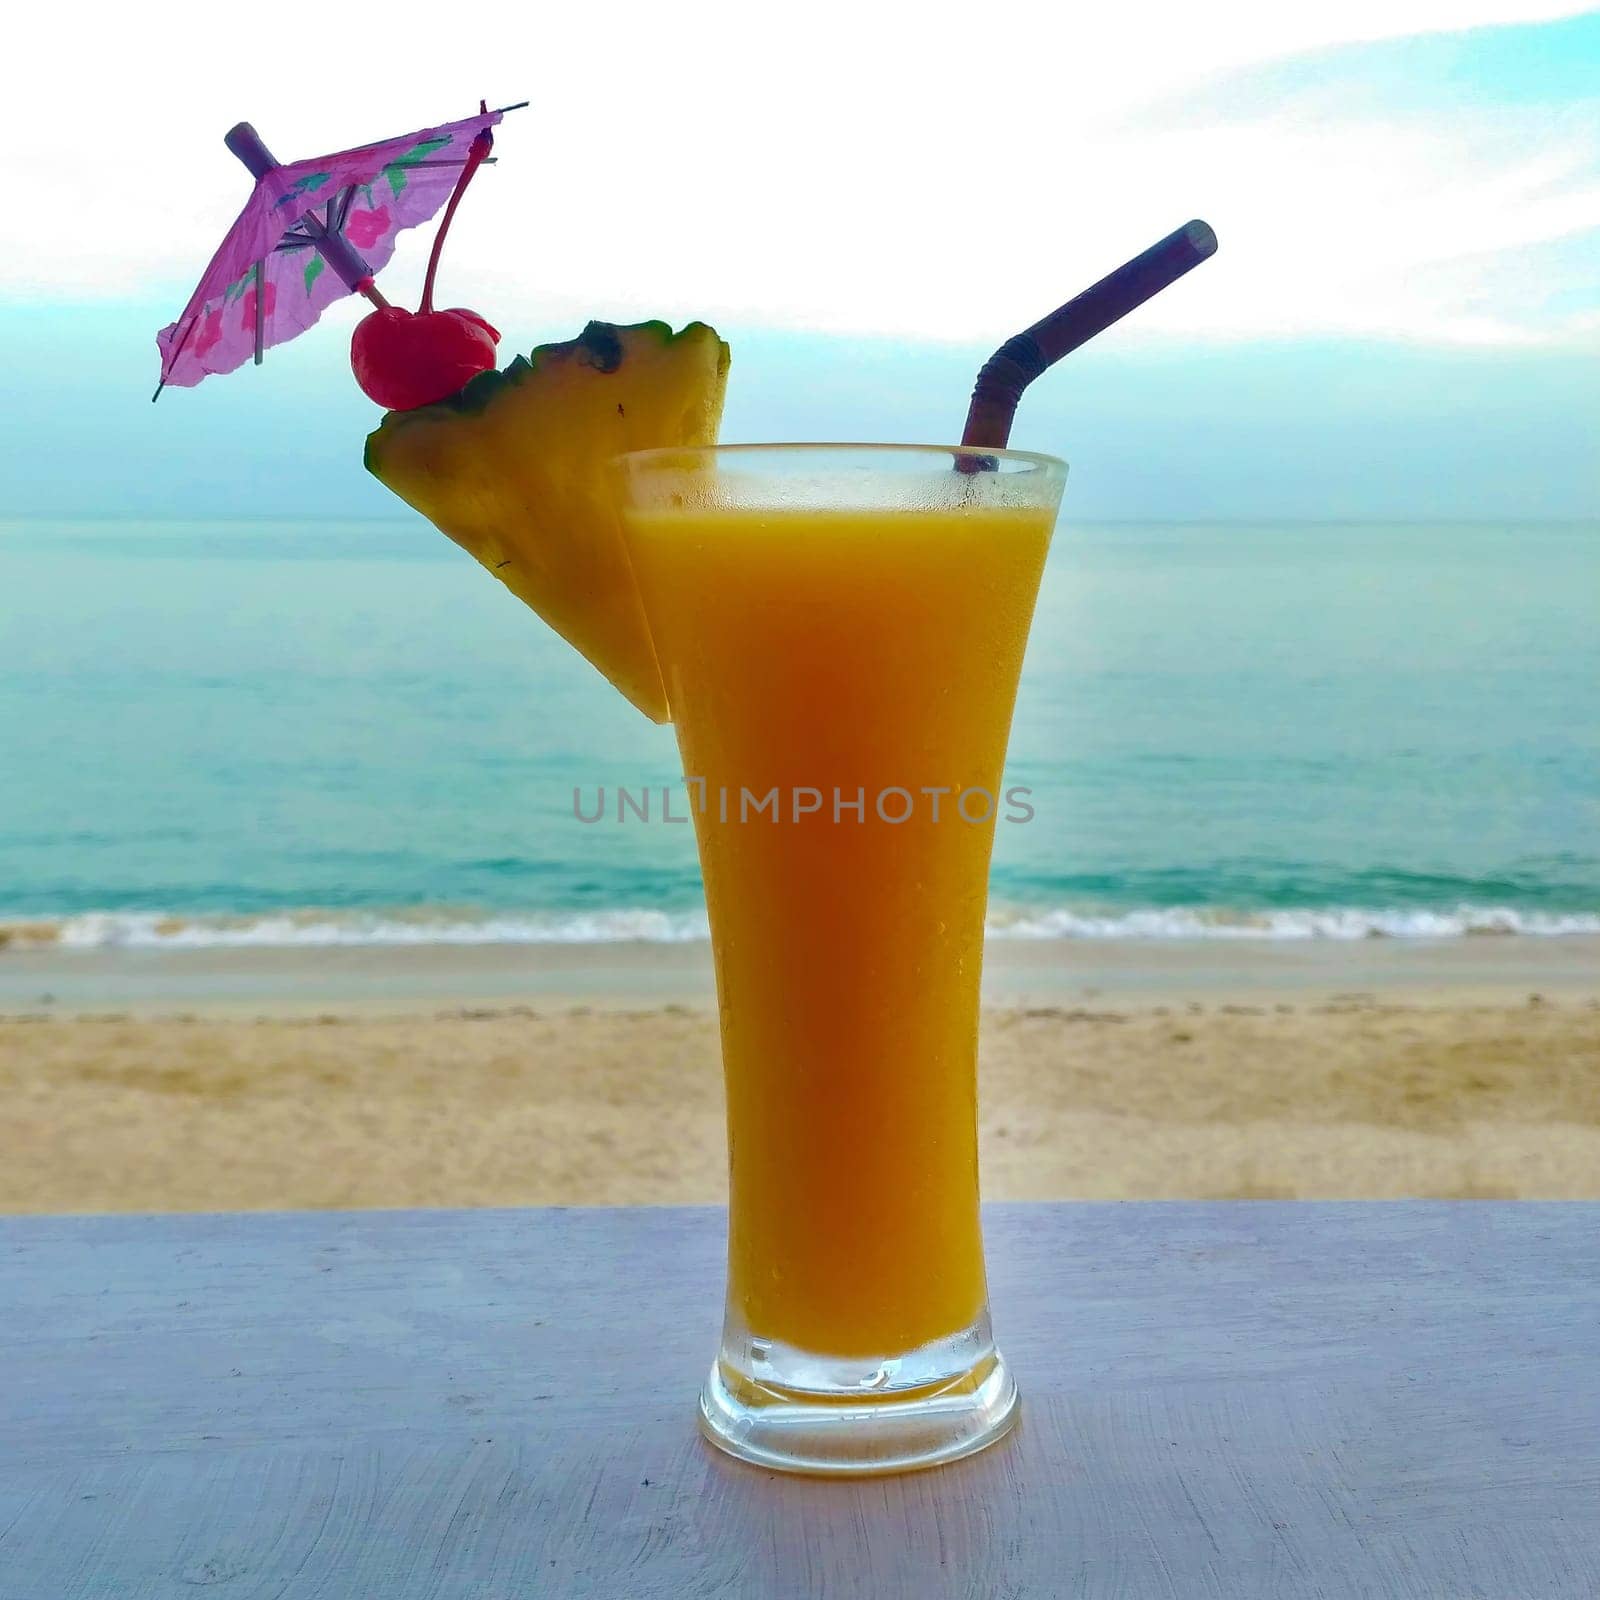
(840, 630)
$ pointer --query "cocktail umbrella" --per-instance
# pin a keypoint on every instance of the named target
(310, 233)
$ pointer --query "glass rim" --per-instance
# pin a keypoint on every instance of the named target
(1035, 460)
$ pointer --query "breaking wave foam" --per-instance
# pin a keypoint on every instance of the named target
(1333, 922)
(146, 929)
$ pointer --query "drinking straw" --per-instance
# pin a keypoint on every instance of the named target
(1023, 357)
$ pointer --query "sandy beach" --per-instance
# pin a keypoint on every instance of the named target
(240, 1079)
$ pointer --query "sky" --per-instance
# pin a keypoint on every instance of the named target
(1403, 318)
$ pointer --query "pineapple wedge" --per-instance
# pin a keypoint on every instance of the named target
(513, 468)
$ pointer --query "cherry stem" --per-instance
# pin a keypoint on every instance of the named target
(480, 148)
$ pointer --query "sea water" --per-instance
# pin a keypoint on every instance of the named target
(282, 732)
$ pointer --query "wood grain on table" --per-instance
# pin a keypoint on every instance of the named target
(1220, 1400)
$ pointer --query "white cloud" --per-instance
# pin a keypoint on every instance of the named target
(936, 170)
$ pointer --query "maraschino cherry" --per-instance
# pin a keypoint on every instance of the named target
(402, 360)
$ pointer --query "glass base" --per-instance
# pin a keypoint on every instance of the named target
(785, 1409)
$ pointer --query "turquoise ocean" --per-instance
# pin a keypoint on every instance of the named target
(301, 732)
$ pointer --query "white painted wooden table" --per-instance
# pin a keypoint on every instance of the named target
(1242, 1400)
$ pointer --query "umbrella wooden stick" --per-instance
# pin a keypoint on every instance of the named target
(261, 311)
(334, 248)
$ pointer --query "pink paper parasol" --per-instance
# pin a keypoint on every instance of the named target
(310, 233)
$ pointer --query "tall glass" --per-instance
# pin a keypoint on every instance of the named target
(840, 629)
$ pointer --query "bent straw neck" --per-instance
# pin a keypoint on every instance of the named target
(1001, 380)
